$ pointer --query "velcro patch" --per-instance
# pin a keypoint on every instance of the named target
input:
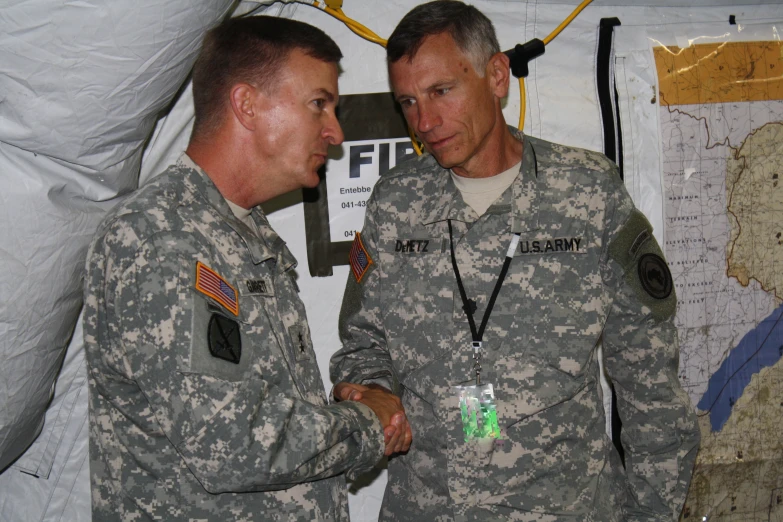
(209, 283)
(225, 341)
(300, 342)
(573, 245)
(643, 236)
(417, 246)
(635, 249)
(655, 276)
(256, 287)
(359, 258)
(635, 234)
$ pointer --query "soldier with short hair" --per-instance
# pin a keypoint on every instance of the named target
(486, 276)
(206, 402)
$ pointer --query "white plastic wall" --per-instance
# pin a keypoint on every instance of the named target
(82, 85)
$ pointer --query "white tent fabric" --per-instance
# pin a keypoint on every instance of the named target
(81, 86)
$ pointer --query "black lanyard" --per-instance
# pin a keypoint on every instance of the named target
(478, 335)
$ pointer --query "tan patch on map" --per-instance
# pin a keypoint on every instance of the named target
(721, 72)
(739, 471)
(754, 182)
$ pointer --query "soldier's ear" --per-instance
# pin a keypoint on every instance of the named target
(498, 73)
(244, 104)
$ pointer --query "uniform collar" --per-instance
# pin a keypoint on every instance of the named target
(448, 204)
(525, 189)
(284, 258)
(520, 200)
(264, 246)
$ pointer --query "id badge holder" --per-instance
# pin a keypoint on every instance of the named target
(478, 412)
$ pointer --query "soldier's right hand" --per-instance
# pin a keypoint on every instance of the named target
(387, 406)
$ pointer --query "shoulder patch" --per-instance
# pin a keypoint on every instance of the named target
(643, 236)
(225, 342)
(628, 242)
(655, 276)
(359, 258)
(637, 252)
(209, 283)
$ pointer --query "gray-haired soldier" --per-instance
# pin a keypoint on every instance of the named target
(485, 277)
(206, 402)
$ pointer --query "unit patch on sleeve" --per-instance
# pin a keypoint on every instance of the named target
(209, 283)
(359, 258)
(637, 252)
(655, 276)
(225, 341)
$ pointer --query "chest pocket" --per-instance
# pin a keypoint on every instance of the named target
(410, 257)
(416, 270)
(269, 321)
(560, 313)
(407, 264)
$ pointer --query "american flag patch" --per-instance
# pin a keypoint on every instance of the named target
(208, 282)
(359, 258)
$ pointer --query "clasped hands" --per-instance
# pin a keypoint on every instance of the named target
(388, 408)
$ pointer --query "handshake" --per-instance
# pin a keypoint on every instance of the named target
(388, 408)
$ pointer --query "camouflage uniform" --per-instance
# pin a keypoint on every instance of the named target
(198, 413)
(574, 281)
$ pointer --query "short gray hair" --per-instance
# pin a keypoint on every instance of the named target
(471, 30)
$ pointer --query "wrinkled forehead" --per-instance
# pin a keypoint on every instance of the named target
(438, 55)
(443, 42)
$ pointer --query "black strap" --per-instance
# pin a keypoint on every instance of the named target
(477, 335)
(609, 111)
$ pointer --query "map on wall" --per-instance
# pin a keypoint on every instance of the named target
(721, 114)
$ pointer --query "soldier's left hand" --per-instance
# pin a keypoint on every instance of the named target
(396, 428)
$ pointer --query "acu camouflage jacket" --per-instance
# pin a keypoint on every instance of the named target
(206, 402)
(587, 270)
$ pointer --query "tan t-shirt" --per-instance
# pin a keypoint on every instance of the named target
(480, 193)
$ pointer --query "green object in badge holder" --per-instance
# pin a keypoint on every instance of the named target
(469, 422)
(491, 429)
(479, 413)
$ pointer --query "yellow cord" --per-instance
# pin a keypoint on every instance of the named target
(567, 21)
(522, 103)
(414, 141)
(552, 35)
(352, 24)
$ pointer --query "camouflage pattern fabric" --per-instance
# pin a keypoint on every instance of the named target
(574, 281)
(198, 412)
